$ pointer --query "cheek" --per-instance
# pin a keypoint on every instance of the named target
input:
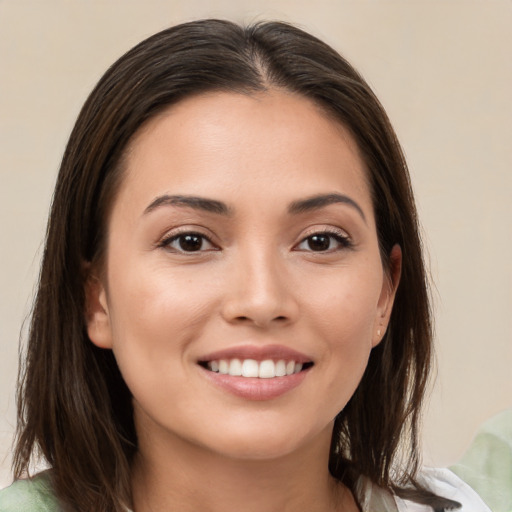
(153, 299)
(345, 305)
(154, 317)
(343, 315)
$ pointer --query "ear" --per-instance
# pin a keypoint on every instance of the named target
(387, 295)
(96, 312)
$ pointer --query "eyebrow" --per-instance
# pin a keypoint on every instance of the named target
(197, 203)
(220, 208)
(322, 200)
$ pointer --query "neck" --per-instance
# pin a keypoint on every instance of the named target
(185, 477)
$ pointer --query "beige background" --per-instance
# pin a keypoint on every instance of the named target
(443, 70)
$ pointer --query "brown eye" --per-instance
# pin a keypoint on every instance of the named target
(324, 242)
(188, 242)
(319, 242)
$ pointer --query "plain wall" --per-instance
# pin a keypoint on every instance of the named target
(443, 70)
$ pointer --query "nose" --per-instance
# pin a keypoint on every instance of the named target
(259, 292)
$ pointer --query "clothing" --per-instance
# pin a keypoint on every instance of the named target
(440, 481)
(487, 464)
(35, 495)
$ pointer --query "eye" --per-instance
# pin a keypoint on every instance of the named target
(188, 242)
(325, 242)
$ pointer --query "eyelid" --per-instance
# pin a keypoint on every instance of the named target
(343, 238)
(170, 236)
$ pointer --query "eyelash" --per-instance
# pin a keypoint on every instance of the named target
(175, 237)
(341, 239)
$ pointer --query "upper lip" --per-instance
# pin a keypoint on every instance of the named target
(258, 353)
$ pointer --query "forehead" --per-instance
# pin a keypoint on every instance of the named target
(275, 140)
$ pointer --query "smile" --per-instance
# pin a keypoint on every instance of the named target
(256, 372)
(266, 369)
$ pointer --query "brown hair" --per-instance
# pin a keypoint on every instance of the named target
(73, 405)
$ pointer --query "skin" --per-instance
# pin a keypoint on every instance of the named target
(256, 281)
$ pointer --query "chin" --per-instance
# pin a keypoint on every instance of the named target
(267, 449)
(261, 442)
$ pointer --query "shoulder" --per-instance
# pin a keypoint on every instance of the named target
(444, 483)
(30, 495)
(486, 466)
(439, 481)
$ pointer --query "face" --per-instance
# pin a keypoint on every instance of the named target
(243, 288)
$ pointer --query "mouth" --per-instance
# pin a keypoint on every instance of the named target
(253, 368)
(256, 372)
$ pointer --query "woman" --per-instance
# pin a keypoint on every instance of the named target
(232, 311)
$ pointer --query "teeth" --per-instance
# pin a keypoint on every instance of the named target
(266, 369)
(250, 368)
(235, 367)
(280, 368)
(223, 367)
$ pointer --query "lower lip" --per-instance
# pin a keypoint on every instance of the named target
(252, 388)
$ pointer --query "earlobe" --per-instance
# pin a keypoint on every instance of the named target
(388, 293)
(96, 313)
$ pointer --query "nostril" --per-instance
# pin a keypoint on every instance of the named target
(281, 319)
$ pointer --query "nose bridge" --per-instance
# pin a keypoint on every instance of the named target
(259, 290)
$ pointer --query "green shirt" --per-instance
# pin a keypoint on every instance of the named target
(35, 495)
(32, 495)
(487, 465)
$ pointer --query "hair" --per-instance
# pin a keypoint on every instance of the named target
(74, 407)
